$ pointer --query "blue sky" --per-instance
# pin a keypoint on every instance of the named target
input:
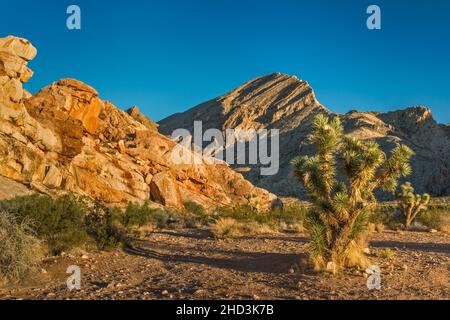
(167, 56)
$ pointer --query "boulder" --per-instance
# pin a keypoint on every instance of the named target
(22, 48)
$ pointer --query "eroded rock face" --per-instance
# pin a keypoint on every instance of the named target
(65, 138)
(141, 118)
(14, 56)
(284, 102)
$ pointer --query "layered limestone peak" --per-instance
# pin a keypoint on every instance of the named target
(283, 102)
(274, 100)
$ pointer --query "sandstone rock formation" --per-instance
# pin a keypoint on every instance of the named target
(283, 102)
(143, 119)
(65, 138)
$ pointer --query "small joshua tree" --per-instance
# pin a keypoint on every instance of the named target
(411, 204)
(340, 208)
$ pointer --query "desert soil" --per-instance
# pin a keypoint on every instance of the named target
(190, 264)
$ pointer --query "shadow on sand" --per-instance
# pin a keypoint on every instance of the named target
(275, 263)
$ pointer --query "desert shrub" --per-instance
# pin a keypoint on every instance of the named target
(386, 214)
(195, 208)
(136, 215)
(354, 255)
(254, 228)
(144, 231)
(276, 219)
(226, 228)
(296, 227)
(103, 225)
(411, 204)
(240, 212)
(386, 253)
(20, 250)
(436, 218)
(59, 222)
(291, 217)
(162, 219)
(375, 227)
(191, 222)
(342, 203)
(231, 228)
(379, 227)
(67, 222)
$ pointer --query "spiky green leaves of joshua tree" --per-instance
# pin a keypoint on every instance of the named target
(411, 204)
(341, 202)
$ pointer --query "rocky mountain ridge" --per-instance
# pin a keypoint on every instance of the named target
(286, 103)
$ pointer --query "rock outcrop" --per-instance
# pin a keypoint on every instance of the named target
(141, 118)
(283, 102)
(65, 138)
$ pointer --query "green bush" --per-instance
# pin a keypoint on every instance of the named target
(102, 224)
(197, 215)
(59, 222)
(386, 253)
(20, 250)
(67, 222)
(386, 214)
(436, 218)
(275, 219)
(195, 208)
(161, 218)
(136, 216)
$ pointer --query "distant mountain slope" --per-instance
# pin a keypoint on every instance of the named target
(286, 103)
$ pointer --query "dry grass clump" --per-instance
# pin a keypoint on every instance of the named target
(445, 227)
(386, 253)
(231, 228)
(20, 250)
(436, 218)
(379, 227)
(255, 228)
(375, 227)
(355, 256)
(226, 228)
(144, 231)
(297, 227)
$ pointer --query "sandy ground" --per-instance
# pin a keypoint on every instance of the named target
(190, 264)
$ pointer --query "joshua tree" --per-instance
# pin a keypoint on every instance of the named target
(411, 204)
(341, 205)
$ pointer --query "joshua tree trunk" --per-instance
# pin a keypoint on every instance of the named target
(340, 242)
(408, 217)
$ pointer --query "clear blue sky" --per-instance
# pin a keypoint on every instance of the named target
(167, 56)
